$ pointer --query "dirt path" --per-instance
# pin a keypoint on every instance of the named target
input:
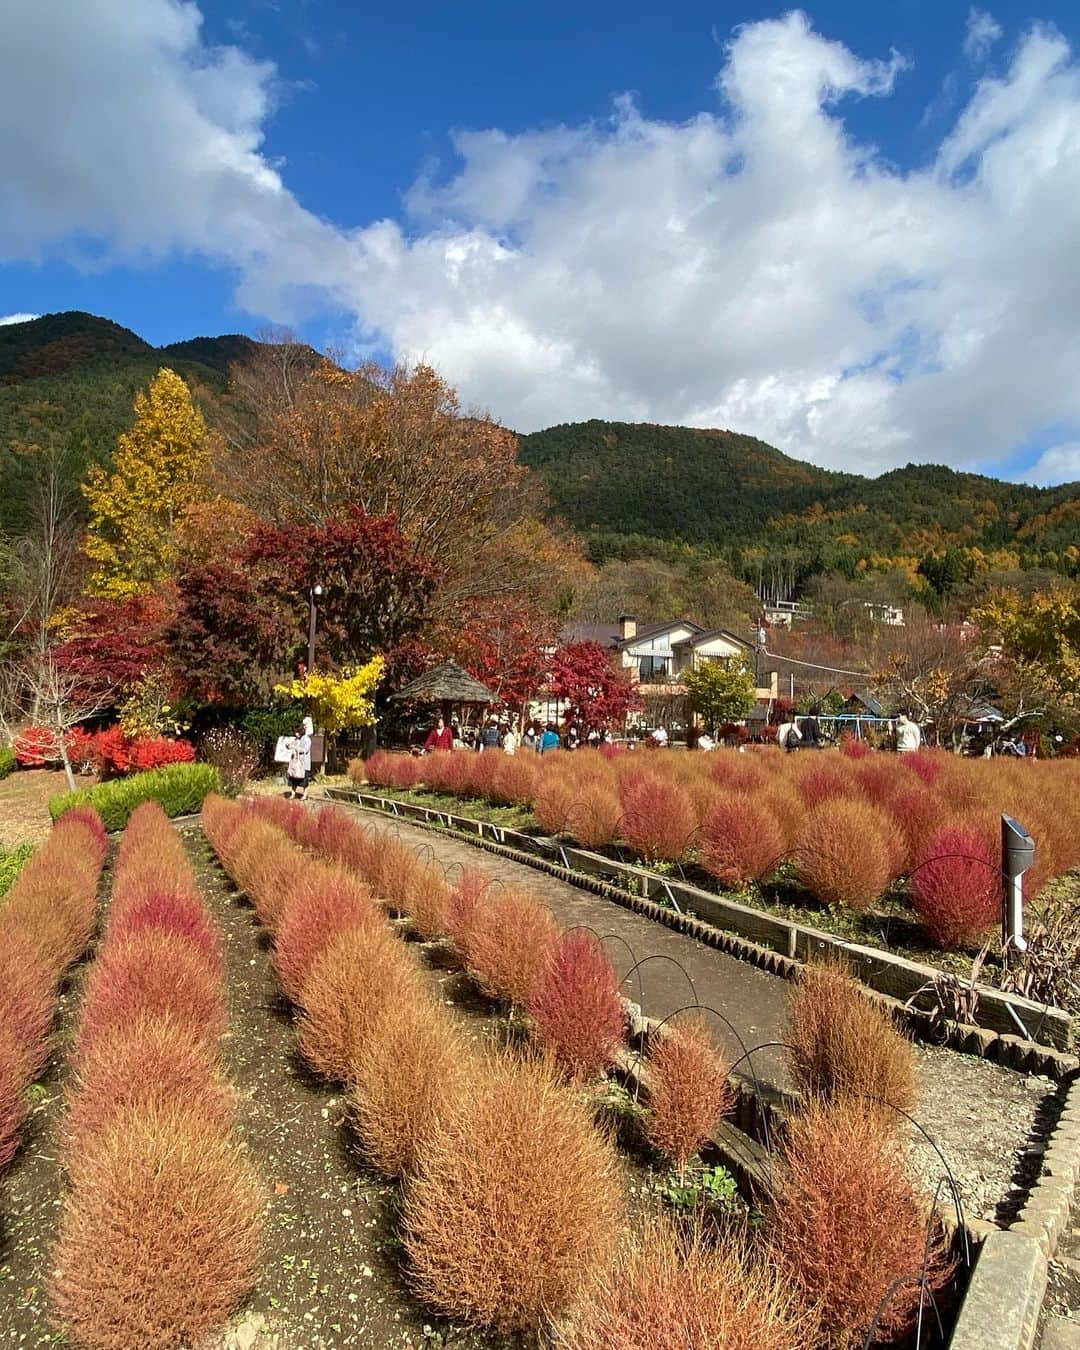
(980, 1115)
(24, 804)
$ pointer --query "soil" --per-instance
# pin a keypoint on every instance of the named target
(985, 1119)
(24, 804)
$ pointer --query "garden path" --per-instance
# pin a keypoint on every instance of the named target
(980, 1115)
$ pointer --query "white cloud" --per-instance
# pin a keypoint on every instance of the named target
(1060, 464)
(757, 266)
(17, 318)
(982, 31)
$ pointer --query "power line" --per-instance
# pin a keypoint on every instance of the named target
(813, 665)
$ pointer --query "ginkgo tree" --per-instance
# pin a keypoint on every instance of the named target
(159, 470)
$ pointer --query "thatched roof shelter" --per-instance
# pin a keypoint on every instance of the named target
(448, 683)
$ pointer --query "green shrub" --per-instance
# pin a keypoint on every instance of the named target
(7, 760)
(180, 788)
(265, 725)
(11, 864)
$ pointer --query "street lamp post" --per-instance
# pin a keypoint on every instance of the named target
(313, 595)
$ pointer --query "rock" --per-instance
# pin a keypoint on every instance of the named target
(246, 1333)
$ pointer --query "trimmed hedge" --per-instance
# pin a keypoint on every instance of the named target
(180, 788)
(11, 864)
(7, 761)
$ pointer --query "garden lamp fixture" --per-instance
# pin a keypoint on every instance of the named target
(314, 595)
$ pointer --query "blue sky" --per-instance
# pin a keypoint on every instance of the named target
(844, 231)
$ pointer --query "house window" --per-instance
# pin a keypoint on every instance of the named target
(653, 668)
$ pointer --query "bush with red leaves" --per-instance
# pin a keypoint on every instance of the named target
(577, 1012)
(508, 944)
(842, 854)
(741, 841)
(849, 1223)
(324, 901)
(851, 748)
(956, 887)
(689, 1089)
(823, 782)
(35, 747)
(151, 972)
(160, 1236)
(659, 820)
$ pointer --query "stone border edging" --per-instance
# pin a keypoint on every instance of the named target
(1008, 1285)
(1000, 1046)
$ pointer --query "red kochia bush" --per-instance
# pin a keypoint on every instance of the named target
(848, 1224)
(595, 815)
(515, 1203)
(508, 944)
(160, 1237)
(325, 901)
(172, 912)
(659, 820)
(741, 841)
(678, 1289)
(555, 799)
(956, 887)
(27, 999)
(577, 1012)
(13, 1104)
(152, 972)
(89, 819)
(689, 1089)
(461, 907)
(842, 855)
(152, 1063)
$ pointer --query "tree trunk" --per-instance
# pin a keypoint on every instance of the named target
(61, 741)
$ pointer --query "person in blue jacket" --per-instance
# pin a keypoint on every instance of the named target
(550, 739)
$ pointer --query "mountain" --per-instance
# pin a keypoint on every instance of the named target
(633, 489)
(69, 381)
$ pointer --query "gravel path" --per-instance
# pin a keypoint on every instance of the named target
(982, 1117)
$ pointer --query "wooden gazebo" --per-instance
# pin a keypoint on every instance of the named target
(449, 685)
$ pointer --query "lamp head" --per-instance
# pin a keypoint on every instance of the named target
(317, 590)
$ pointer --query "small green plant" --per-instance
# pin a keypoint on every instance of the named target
(7, 761)
(699, 1186)
(180, 788)
(11, 864)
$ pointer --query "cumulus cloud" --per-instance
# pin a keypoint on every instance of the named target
(1059, 464)
(982, 31)
(757, 266)
(17, 318)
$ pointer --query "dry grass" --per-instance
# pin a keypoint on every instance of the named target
(358, 973)
(514, 1205)
(509, 943)
(152, 1063)
(844, 1045)
(408, 1072)
(843, 858)
(160, 1237)
(847, 1221)
(689, 1089)
(675, 1289)
(577, 1012)
(156, 973)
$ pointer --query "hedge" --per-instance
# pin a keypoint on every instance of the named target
(180, 788)
(11, 864)
(7, 760)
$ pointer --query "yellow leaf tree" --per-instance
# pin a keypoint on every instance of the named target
(159, 470)
(338, 702)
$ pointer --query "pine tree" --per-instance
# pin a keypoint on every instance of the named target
(159, 469)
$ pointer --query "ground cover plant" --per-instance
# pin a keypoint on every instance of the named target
(46, 922)
(159, 1237)
(912, 835)
(179, 789)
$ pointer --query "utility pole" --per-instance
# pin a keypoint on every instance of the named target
(313, 595)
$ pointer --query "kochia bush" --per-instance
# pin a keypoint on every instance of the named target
(956, 887)
(577, 1012)
(659, 820)
(689, 1089)
(842, 854)
(741, 841)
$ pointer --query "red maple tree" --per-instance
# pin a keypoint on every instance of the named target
(599, 694)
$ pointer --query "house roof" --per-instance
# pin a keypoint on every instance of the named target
(448, 683)
(607, 634)
(655, 629)
(701, 639)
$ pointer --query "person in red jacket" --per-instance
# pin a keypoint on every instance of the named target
(440, 737)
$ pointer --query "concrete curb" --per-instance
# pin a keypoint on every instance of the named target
(704, 913)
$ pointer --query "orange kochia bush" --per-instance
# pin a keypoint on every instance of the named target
(46, 922)
(160, 1233)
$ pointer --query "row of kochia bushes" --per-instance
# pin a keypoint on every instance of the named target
(160, 1229)
(46, 923)
(846, 826)
(512, 1198)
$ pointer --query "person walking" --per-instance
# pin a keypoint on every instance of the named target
(788, 736)
(810, 731)
(489, 737)
(299, 765)
(908, 735)
(509, 741)
(550, 739)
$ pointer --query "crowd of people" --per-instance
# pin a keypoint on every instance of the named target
(494, 734)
